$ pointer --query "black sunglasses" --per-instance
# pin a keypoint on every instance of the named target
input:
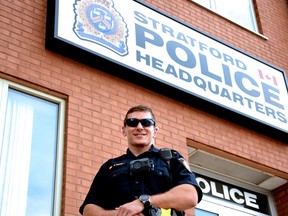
(133, 122)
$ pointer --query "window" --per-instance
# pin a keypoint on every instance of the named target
(240, 12)
(201, 212)
(31, 149)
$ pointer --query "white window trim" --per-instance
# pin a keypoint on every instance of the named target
(254, 32)
(4, 86)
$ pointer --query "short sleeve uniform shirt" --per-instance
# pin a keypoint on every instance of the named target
(116, 183)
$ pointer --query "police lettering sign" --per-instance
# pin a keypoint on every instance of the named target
(164, 49)
(235, 195)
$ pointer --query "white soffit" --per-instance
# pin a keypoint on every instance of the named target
(212, 163)
(273, 183)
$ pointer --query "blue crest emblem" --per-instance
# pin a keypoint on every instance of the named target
(98, 21)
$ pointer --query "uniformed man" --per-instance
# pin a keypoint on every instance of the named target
(145, 180)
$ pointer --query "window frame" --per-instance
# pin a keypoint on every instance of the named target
(5, 85)
(252, 12)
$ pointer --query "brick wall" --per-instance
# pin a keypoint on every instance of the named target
(97, 101)
(281, 199)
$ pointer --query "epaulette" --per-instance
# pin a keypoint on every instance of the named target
(114, 162)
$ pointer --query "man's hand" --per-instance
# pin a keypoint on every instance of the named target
(133, 208)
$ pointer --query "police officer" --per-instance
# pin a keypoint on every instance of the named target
(145, 180)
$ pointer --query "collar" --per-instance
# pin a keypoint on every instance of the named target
(152, 149)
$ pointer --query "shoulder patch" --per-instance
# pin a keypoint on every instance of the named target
(186, 165)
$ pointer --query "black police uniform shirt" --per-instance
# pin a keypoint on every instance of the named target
(115, 185)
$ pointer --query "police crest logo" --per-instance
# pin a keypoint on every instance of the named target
(99, 22)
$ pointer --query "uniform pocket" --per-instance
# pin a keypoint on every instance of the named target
(160, 178)
(119, 178)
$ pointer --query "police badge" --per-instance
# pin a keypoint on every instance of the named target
(98, 21)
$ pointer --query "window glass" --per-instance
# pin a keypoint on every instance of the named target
(205, 3)
(28, 155)
(200, 212)
(240, 12)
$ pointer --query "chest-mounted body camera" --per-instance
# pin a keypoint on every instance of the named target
(140, 165)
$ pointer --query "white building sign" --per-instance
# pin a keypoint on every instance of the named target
(162, 48)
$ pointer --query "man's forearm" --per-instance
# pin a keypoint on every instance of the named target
(94, 210)
(180, 198)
